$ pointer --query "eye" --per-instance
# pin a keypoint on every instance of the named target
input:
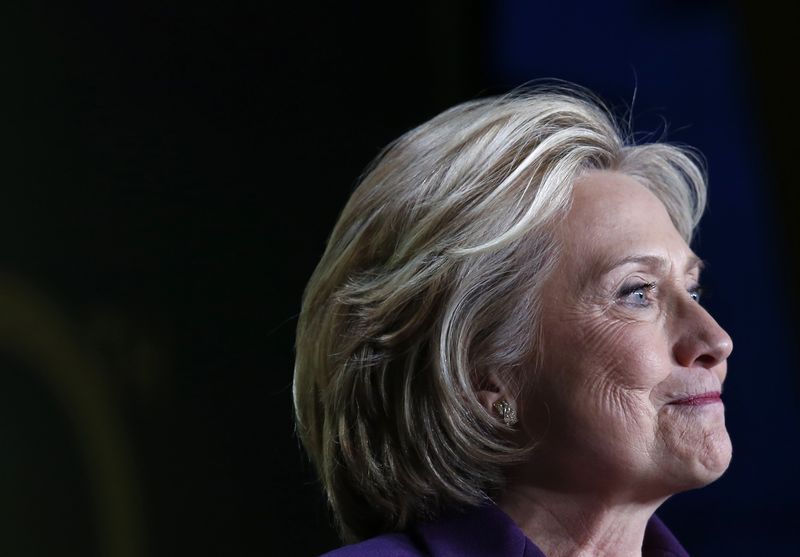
(696, 293)
(637, 295)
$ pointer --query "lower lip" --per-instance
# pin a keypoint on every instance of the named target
(699, 400)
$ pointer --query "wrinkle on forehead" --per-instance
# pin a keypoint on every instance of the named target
(614, 218)
(656, 264)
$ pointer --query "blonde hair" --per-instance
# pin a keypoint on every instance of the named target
(430, 281)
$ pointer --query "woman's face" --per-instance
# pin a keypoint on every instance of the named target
(627, 397)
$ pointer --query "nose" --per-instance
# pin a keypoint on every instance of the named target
(700, 342)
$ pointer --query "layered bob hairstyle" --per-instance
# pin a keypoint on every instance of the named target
(431, 280)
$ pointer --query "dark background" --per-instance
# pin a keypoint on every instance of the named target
(170, 173)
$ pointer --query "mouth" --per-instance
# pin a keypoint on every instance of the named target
(701, 399)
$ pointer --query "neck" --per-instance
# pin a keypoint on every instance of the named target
(578, 524)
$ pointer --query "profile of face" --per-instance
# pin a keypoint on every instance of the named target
(627, 398)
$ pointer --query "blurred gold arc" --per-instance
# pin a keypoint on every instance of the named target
(37, 333)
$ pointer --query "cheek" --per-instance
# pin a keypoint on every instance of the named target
(605, 371)
(630, 356)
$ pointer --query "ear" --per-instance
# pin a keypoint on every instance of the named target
(491, 389)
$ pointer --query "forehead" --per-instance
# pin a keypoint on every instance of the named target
(614, 217)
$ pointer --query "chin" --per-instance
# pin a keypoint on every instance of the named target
(709, 462)
(716, 461)
(694, 447)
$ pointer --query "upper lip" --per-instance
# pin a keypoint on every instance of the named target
(697, 396)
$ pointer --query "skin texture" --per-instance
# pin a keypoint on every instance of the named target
(624, 339)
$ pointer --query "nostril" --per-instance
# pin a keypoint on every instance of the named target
(694, 350)
(707, 360)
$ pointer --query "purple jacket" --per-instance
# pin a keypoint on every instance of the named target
(484, 532)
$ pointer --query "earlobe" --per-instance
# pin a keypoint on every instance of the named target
(496, 398)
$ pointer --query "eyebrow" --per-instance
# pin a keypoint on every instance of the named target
(655, 261)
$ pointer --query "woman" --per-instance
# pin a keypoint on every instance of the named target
(502, 350)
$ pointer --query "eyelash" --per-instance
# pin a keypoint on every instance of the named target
(696, 292)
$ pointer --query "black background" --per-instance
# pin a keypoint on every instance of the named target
(171, 172)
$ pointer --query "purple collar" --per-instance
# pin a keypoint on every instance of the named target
(488, 531)
(484, 532)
